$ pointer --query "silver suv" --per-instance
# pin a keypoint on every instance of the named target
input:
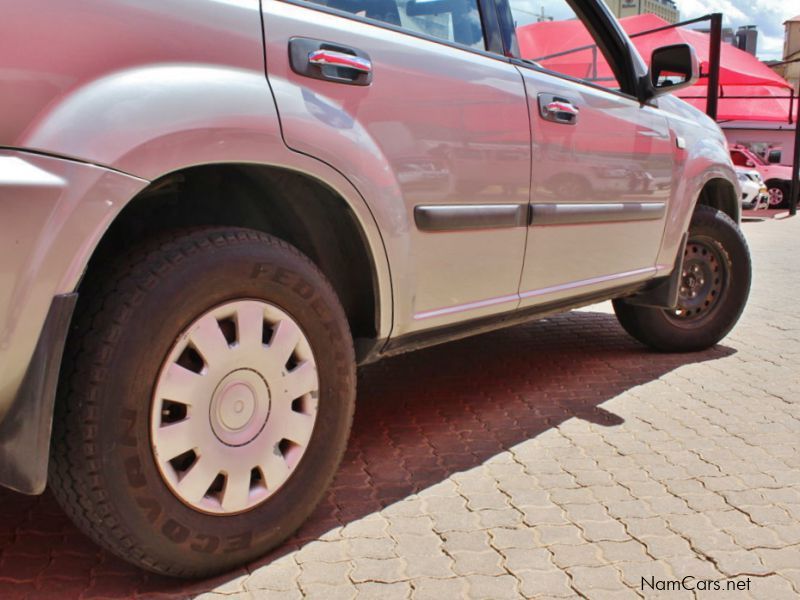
(213, 210)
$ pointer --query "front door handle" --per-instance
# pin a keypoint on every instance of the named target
(558, 109)
(329, 61)
(340, 59)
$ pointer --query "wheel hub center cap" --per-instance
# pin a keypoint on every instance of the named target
(239, 407)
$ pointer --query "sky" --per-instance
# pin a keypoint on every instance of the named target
(769, 15)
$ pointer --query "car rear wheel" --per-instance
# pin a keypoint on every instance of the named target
(207, 401)
(715, 284)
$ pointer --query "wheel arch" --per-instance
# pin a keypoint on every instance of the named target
(291, 205)
(721, 194)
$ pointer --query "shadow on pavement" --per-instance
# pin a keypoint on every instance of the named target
(420, 418)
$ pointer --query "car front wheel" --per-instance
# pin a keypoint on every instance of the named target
(778, 194)
(714, 286)
(206, 403)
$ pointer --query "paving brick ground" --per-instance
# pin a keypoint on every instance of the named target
(557, 459)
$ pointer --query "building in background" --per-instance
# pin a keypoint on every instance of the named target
(666, 9)
(728, 37)
(746, 39)
(789, 67)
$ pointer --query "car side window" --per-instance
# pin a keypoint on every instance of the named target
(551, 35)
(456, 21)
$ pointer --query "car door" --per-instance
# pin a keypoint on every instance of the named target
(602, 162)
(429, 126)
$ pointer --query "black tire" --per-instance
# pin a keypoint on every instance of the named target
(717, 247)
(103, 472)
(782, 187)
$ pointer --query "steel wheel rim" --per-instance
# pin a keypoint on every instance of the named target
(234, 407)
(775, 196)
(705, 278)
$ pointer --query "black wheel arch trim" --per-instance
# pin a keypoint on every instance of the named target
(663, 291)
(25, 429)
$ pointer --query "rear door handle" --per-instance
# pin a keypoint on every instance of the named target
(558, 109)
(329, 61)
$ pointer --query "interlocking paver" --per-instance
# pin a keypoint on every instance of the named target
(467, 541)
(587, 579)
(549, 460)
(478, 563)
(521, 559)
(512, 517)
(312, 573)
(740, 562)
(492, 588)
(383, 591)
(596, 531)
(503, 538)
(383, 570)
(666, 546)
(559, 534)
(282, 575)
(342, 591)
(323, 552)
(536, 584)
(363, 547)
(426, 588)
(585, 555)
(628, 551)
(434, 565)
(407, 545)
(753, 536)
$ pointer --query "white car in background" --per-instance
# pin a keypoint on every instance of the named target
(754, 191)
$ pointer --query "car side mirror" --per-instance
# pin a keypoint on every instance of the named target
(672, 68)
(750, 163)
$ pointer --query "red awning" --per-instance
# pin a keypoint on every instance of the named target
(737, 67)
(741, 73)
(770, 103)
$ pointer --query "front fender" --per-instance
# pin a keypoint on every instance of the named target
(703, 159)
(154, 120)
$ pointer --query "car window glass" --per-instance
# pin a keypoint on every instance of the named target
(739, 159)
(456, 21)
(551, 35)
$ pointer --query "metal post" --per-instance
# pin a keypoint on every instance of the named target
(795, 188)
(713, 65)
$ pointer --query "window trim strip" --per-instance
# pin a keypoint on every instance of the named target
(491, 37)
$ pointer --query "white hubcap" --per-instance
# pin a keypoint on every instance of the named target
(775, 196)
(234, 407)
